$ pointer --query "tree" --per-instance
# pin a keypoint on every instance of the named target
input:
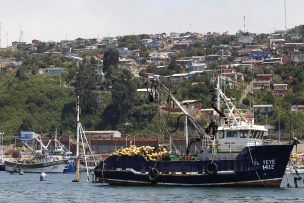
(85, 86)
(123, 94)
(111, 59)
(27, 123)
(172, 65)
(68, 116)
(71, 74)
(42, 47)
(131, 42)
(21, 74)
(35, 70)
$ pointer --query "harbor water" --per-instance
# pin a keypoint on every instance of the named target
(59, 188)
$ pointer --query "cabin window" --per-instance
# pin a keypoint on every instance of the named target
(243, 134)
(221, 134)
(260, 136)
(256, 134)
(251, 134)
(230, 134)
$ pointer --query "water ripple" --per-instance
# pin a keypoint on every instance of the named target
(59, 188)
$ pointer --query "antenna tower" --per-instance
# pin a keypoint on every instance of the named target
(21, 35)
(244, 24)
(6, 39)
(285, 15)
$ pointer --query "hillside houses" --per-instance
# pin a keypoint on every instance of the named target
(262, 82)
(192, 54)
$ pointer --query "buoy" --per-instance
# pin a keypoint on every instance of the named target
(43, 176)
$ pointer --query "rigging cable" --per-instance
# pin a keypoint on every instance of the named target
(249, 150)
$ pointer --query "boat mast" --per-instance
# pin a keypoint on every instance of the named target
(1, 161)
(77, 175)
(190, 118)
(186, 131)
(218, 96)
(55, 140)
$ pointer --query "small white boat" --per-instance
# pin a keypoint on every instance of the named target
(47, 165)
(294, 169)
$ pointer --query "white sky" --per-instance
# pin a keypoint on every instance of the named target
(57, 19)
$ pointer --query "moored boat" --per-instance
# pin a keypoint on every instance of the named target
(61, 152)
(38, 161)
(234, 152)
(48, 165)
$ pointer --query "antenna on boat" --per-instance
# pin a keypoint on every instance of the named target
(251, 95)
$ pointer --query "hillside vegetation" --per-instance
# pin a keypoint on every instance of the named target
(36, 102)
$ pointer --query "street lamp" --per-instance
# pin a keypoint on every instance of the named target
(128, 126)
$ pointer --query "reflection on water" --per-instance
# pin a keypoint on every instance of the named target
(59, 188)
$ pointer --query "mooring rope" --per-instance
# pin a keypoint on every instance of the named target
(255, 168)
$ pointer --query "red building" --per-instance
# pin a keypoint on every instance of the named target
(264, 77)
(280, 89)
(35, 42)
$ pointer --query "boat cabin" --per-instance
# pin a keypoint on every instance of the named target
(235, 138)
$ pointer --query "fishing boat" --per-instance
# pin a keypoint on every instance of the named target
(234, 152)
(47, 165)
(61, 152)
(39, 161)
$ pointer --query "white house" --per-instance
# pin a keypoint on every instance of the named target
(198, 66)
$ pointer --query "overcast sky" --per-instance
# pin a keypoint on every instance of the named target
(60, 19)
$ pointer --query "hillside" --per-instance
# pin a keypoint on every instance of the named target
(35, 103)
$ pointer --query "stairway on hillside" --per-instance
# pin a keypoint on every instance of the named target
(246, 91)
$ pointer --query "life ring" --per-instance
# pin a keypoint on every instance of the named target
(212, 168)
(153, 174)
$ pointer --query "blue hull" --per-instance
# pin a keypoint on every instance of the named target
(254, 166)
(70, 166)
